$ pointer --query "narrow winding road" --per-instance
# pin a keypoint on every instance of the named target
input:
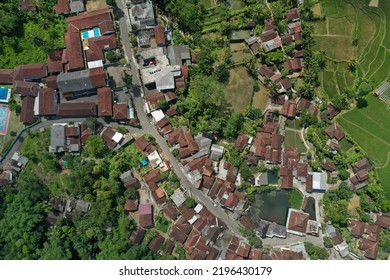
(124, 24)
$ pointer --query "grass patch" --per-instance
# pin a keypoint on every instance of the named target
(317, 9)
(13, 125)
(239, 90)
(328, 84)
(293, 140)
(339, 48)
(340, 26)
(236, 5)
(294, 124)
(296, 199)
(207, 3)
(353, 204)
(260, 98)
(384, 176)
(162, 224)
(320, 27)
(345, 144)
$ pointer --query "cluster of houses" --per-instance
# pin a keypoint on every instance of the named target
(270, 40)
(70, 73)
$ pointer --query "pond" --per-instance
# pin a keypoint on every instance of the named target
(311, 208)
(272, 206)
(273, 177)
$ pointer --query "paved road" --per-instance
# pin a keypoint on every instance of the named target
(149, 128)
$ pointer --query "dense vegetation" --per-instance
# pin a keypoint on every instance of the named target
(29, 37)
(102, 233)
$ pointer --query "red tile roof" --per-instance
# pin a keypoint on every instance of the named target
(30, 71)
(97, 45)
(62, 7)
(47, 100)
(131, 205)
(104, 102)
(6, 76)
(298, 221)
(370, 248)
(50, 81)
(54, 62)
(120, 111)
(97, 77)
(27, 112)
(89, 19)
(82, 109)
(74, 51)
(289, 109)
(334, 131)
(160, 36)
(106, 27)
(26, 88)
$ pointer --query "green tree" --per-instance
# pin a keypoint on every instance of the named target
(95, 146)
(190, 202)
(233, 125)
(315, 252)
(328, 243)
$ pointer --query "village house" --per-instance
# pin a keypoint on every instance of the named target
(141, 13)
(297, 222)
(334, 131)
(65, 138)
(367, 235)
(146, 215)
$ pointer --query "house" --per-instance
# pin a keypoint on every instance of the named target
(216, 152)
(141, 13)
(62, 7)
(382, 220)
(267, 71)
(328, 166)
(169, 246)
(369, 248)
(50, 82)
(47, 102)
(30, 72)
(286, 175)
(146, 215)
(334, 131)
(137, 236)
(159, 35)
(241, 142)
(319, 180)
(120, 112)
(27, 112)
(268, 35)
(289, 109)
(179, 55)
(18, 162)
(155, 243)
(6, 178)
(26, 88)
(82, 82)
(361, 165)
(74, 53)
(111, 137)
(65, 138)
(104, 102)
(332, 110)
(170, 211)
(294, 64)
(54, 62)
(6, 76)
(95, 48)
(131, 205)
(293, 14)
(76, 6)
(81, 109)
(57, 139)
(297, 222)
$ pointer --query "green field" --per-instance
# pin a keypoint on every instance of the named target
(347, 21)
(370, 128)
(293, 140)
(239, 89)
